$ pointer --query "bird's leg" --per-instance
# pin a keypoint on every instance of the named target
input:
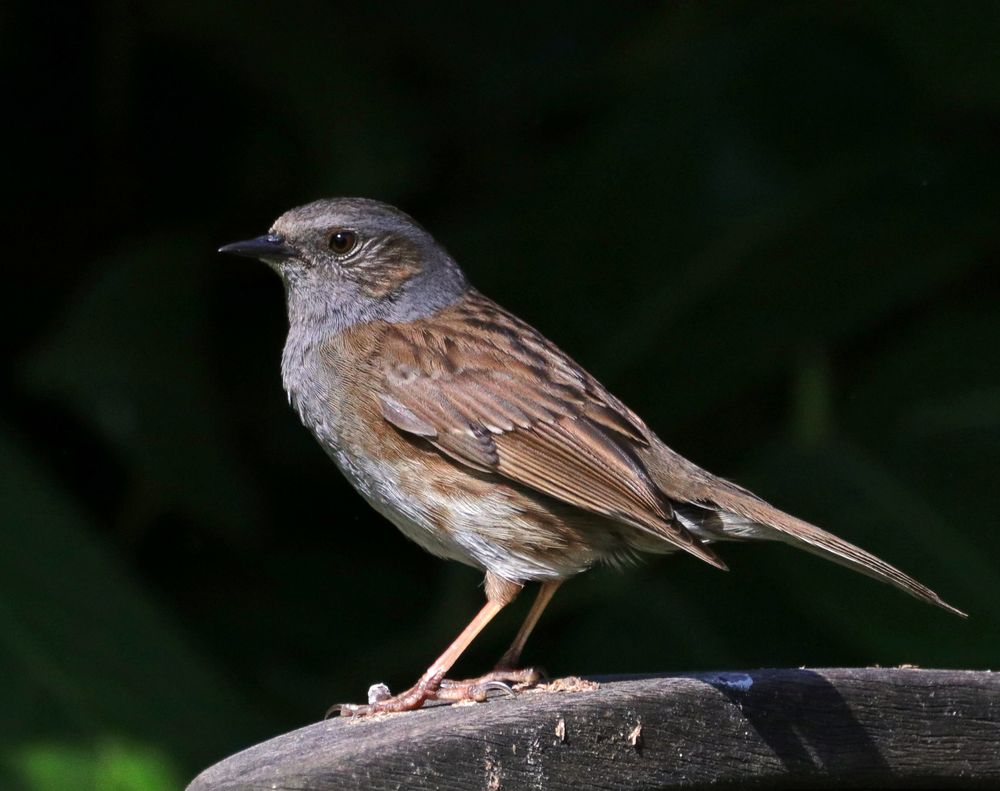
(499, 593)
(427, 687)
(506, 671)
(512, 655)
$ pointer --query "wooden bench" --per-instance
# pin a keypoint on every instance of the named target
(758, 728)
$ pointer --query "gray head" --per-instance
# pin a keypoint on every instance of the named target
(350, 260)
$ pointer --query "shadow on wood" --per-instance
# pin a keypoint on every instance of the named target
(766, 728)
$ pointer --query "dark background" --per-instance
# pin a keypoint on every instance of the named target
(772, 230)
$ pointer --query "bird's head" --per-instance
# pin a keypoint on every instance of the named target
(350, 260)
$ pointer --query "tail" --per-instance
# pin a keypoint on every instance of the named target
(715, 509)
(769, 522)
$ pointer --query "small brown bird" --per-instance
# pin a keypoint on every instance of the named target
(481, 440)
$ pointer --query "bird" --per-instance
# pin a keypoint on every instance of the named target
(480, 439)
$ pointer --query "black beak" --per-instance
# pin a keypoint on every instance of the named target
(271, 247)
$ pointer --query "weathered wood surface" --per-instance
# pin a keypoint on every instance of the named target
(760, 728)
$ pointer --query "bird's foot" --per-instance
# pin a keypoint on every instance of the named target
(381, 701)
(504, 679)
(434, 687)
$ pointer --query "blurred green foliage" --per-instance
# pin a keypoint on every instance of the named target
(772, 229)
(109, 766)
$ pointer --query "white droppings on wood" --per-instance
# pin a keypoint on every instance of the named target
(493, 779)
(534, 765)
(378, 692)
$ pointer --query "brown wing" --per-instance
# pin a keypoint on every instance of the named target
(492, 393)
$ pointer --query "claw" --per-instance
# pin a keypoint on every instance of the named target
(502, 686)
(336, 709)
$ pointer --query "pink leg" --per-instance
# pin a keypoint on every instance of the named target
(499, 593)
(505, 673)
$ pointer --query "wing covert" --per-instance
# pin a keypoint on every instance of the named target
(488, 391)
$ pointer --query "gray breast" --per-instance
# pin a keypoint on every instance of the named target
(312, 388)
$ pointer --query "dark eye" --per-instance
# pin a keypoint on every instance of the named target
(343, 241)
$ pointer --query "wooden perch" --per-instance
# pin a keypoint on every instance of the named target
(766, 728)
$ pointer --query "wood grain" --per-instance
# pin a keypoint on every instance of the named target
(757, 728)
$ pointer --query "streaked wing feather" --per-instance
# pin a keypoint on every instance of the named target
(521, 409)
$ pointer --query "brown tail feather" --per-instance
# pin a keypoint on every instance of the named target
(803, 535)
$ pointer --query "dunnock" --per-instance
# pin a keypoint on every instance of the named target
(481, 440)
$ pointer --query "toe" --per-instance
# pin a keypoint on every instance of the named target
(347, 710)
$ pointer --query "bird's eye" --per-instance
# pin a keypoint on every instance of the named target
(342, 242)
